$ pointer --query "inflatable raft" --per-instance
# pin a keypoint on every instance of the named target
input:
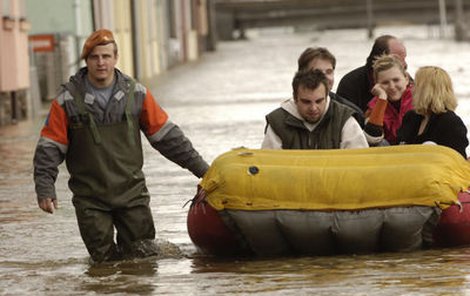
(327, 202)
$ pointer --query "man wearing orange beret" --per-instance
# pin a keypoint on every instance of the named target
(94, 125)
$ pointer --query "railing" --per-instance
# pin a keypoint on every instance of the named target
(240, 15)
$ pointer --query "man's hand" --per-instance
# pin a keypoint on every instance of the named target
(48, 204)
(379, 92)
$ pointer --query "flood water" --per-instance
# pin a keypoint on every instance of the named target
(220, 102)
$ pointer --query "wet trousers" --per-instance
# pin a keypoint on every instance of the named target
(133, 222)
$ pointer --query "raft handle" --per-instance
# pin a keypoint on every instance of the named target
(198, 198)
(457, 203)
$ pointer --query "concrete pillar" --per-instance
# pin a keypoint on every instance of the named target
(460, 25)
(442, 18)
(211, 34)
(370, 20)
(225, 25)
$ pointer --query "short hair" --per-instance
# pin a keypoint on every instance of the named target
(380, 47)
(433, 91)
(310, 79)
(385, 62)
(312, 53)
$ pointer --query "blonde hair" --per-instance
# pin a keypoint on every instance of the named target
(386, 62)
(433, 91)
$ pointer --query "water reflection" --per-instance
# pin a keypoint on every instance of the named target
(126, 277)
(432, 272)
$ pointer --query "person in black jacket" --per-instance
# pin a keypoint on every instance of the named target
(433, 120)
(356, 85)
(320, 58)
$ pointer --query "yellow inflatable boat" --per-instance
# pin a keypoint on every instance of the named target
(325, 202)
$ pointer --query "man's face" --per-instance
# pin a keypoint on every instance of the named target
(101, 62)
(326, 67)
(311, 104)
(398, 49)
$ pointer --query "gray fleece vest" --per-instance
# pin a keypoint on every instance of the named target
(294, 134)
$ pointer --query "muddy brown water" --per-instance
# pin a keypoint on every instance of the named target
(220, 103)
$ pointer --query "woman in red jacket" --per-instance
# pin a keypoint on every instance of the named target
(392, 99)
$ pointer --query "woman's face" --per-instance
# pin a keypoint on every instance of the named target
(394, 82)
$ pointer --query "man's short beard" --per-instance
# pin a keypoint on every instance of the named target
(311, 121)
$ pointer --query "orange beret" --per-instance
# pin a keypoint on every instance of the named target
(99, 37)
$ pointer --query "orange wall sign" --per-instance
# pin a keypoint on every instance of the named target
(42, 43)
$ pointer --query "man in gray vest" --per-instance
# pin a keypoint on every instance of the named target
(311, 120)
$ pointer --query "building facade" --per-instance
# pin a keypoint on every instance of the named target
(152, 37)
(14, 61)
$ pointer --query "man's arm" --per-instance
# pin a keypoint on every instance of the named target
(271, 140)
(49, 154)
(174, 145)
(352, 135)
(169, 139)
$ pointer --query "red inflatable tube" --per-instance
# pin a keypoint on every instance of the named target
(207, 230)
(453, 228)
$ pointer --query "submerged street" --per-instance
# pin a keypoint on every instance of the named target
(219, 102)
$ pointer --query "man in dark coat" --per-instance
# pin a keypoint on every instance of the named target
(356, 85)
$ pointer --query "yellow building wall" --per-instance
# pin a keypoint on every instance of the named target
(189, 33)
(162, 33)
(123, 34)
(155, 48)
(148, 43)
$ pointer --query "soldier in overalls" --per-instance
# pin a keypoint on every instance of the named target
(94, 125)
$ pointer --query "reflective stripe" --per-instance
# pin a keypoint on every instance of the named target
(140, 88)
(89, 99)
(63, 97)
(156, 137)
(119, 95)
(46, 142)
